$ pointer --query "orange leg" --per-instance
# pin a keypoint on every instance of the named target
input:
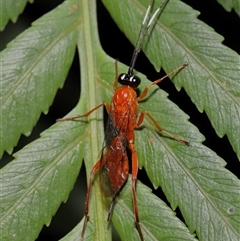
(145, 91)
(116, 76)
(96, 168)
(87, 114)
(134, 177)
(140, 120)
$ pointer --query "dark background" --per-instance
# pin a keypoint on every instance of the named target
(117, 46)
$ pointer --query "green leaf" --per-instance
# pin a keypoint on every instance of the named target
(193, 178)
(43, 173)
(36, 182)
(29, 81)
(212, 77)
(158, 221)
(10, 9)
(229, 5)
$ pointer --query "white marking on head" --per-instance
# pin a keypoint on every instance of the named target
(123, 76)
(131, 78)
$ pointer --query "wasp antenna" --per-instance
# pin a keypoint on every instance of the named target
(160, 8)
(139, 39)
(147, 13)
(143, 31)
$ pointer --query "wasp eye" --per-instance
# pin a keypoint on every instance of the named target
(122, 78)
(134, 81)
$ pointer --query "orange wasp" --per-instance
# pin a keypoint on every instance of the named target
(119, 135)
